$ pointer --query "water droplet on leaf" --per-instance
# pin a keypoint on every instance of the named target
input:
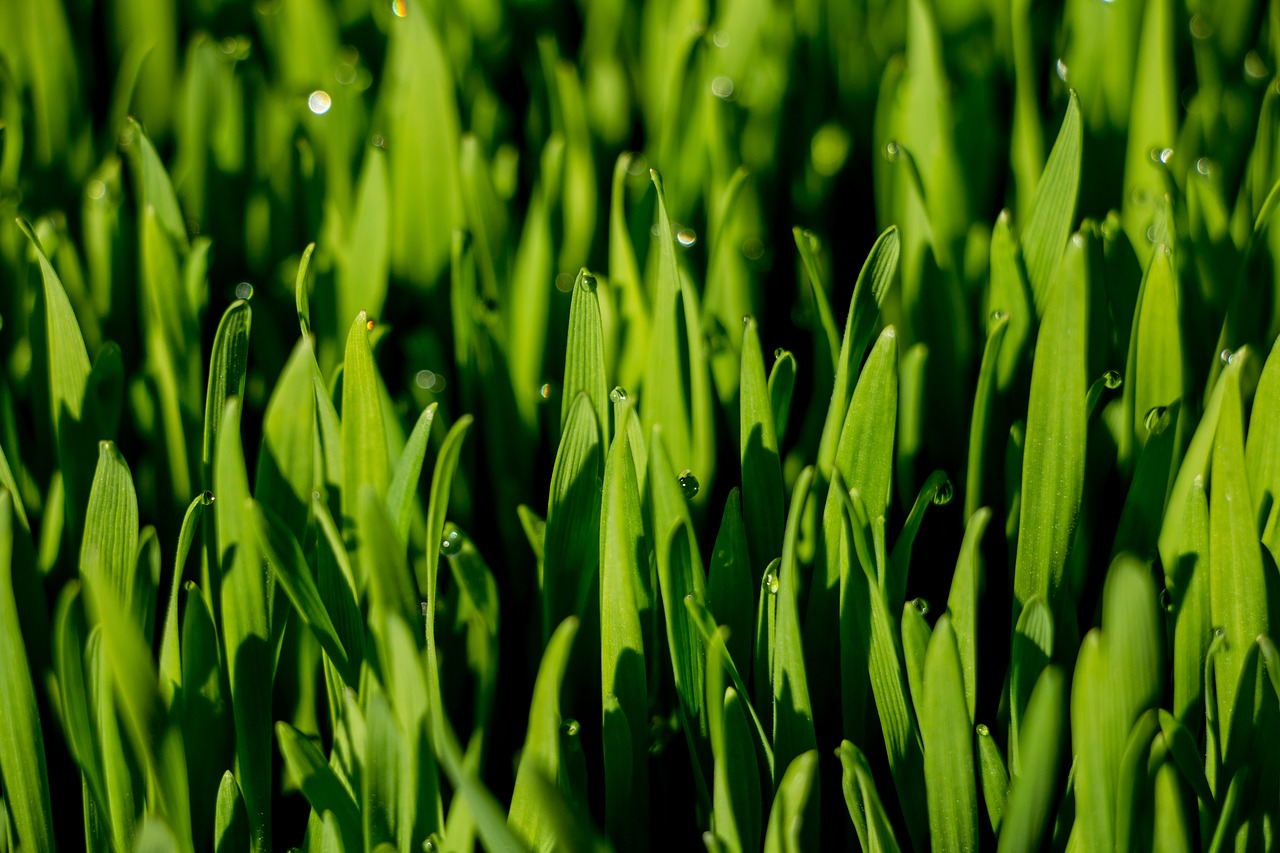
(983, 731)
(944, 493)
(921, 605)
(244, 290)
(686, 237)
(570, 727)
(589, 282)
(545, 391)
(319, 102)
(1156, 420)
(688, 484)
(618, 394)
(770, 582)
(1112, 379)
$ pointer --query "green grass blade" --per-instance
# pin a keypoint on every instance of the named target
(1237, 585)
(286, 471)
(361, 280)
(407, 471)
(381, 774)
(231, 822)
(1153, 121)
(782, 384)
(1033, 639)
(875, 833)
(793, 732)
(731, 583)
(793, 823)
(573, 518)
(981, 444)
(246, 626)
(1262, 448)
(762, 495)
(110, 545)
(995, 778)
(364, 444)
(319, 784)
(877, 275)
(1153, 372)
(1053, 465)
(737, 777)
(584, 365)
(541, 753)
(962, 602)
(22, 761)
(227, 366)
(948, 745)
(1054, 211)
(170, 659)
(915, 642)
(1031, 794)
(1010, 296)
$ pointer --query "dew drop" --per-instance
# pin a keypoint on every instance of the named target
(779, 353)
(545, 391)
(369, 324)
(244, 290)
(1204, 166)
(1225, 355)
(688, 484)
(944, 493)
(564, 282)
(1061, 68)
(1220, 632)
(1112, 379)
(686, 237)
(746, 319)
(998, 315)
(921, 605)
(752, 248)
(720, 38)
(618, 394)
(97, 189)
(1200, 26)
(770, 582)
(379, 141)
(983, 731)
(399, 8)
(1166, 154)
(315, 495)
(892, 152)
(319, 102)
(426, 609)
(206, 497)
(433, 843)
(589, 282)
(722, 87)
(1254, 67)
(1166, 600)
(424, 379)
(449, 544)
(570, 727)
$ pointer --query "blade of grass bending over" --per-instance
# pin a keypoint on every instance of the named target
(809, 247)
(1053, 464)
(22, 761)
(665, 400)
(1054, 211)
(623, 556)
(69, 369)
(762, 495)
(302, 290)
(541, 753)
(793, 732)
(869, 290)
(1237, 585)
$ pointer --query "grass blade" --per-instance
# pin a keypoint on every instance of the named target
(1031, 794)
(948, 745)
(761, 470)
(1054, 211)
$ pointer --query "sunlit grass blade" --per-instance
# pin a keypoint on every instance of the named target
(1009, 296)
(1153, 373)
(877, 275)
(170, 659)
(231, 822)
(1033, 639)
(1053, 465)
(286, 470)
(1045, 233)
(361, 279)
(110, 545)
(793, 821)
(731, 585)
(948, 745)
(364, 445)
(995, 778)
(227, 366)
(981, 436)
(915, 643)
(1262, 448)
(962, 602)
(584, 364)
(22, 758)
